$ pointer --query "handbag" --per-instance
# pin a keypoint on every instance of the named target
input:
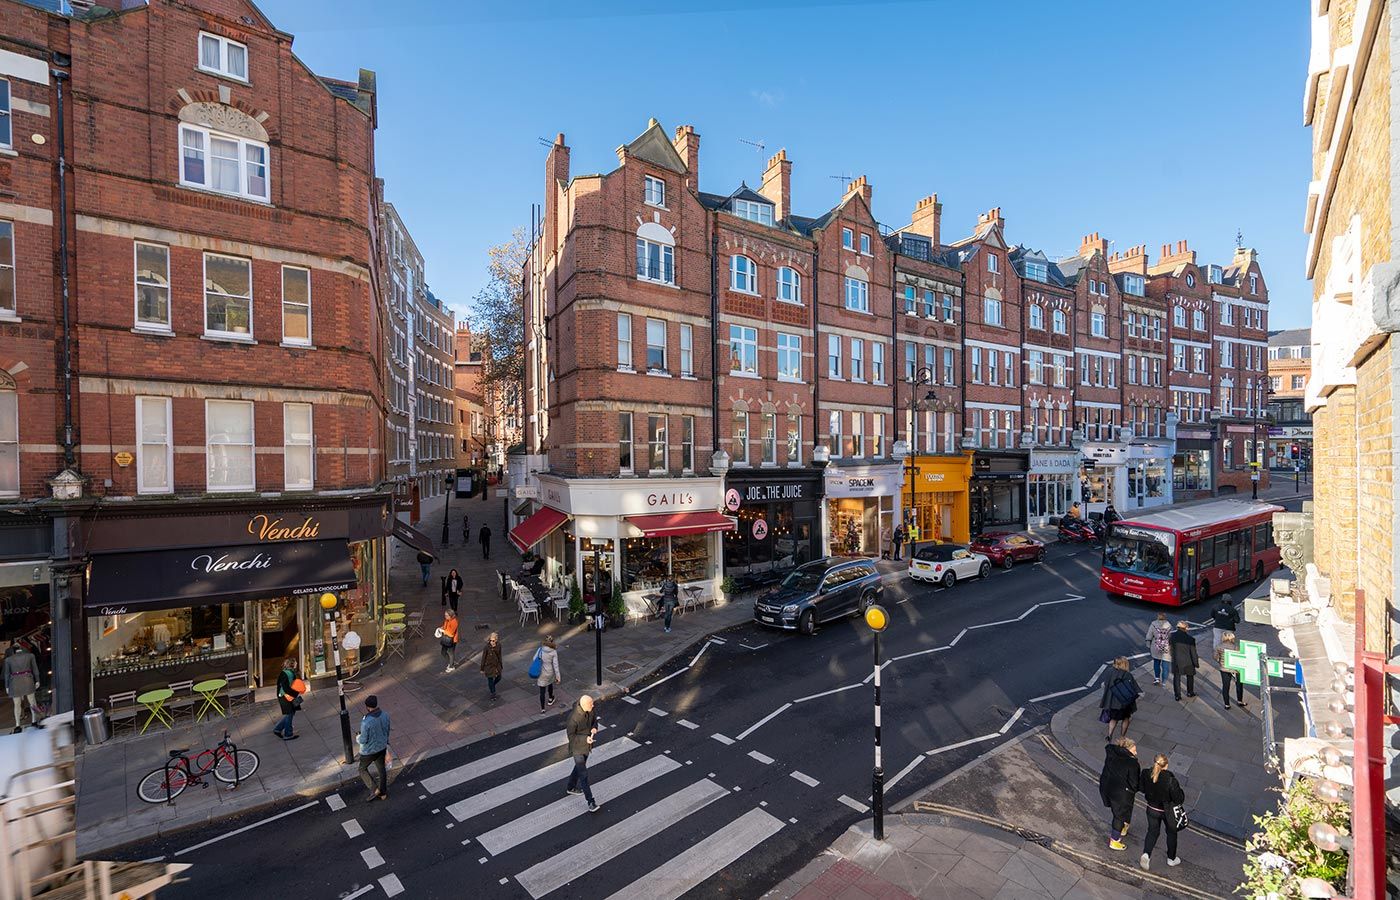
(536, 664)
(446, 640)
(1103, 716)
(1179, 817)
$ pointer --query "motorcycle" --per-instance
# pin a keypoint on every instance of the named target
(1075, 531)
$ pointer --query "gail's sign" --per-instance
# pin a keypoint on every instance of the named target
(671, 498)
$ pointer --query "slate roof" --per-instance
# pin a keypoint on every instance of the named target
(1292, 337)
(1070, 269)
(342, 89)
(1019, 255)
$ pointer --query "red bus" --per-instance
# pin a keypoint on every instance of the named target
(1180, 555)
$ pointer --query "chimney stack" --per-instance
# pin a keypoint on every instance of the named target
(1092, 244)
(1134, 260)
(861, 186)
(1172, 256)
(992, 216)
(687, 144)
(777, 184)
(927, 218)
(556, 177)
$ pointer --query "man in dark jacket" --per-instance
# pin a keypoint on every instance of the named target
(485, 538)
(581, 727)
(1184, 660)
(1224, 618)
(1118, 785)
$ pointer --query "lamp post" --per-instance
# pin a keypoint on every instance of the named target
(598, 607)
(329, 603)
(877, 619)
(448, 486)
(921, 376)
(1254, 464)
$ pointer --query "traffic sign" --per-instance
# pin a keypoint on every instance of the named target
(1257, 611)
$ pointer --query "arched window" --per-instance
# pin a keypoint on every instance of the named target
(1037, 317)
(789, 285)
(1061, 322)
(656, 254)
(224, 149)
(857, 289)
(1098, 322)
(743, 274)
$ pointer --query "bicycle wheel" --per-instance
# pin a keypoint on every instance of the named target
(247, 765)
(153, 788)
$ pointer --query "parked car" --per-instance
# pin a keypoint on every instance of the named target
(1006, 548)
(818, 592)
(947, 563)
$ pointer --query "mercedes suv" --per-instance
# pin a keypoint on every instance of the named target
(820, 592)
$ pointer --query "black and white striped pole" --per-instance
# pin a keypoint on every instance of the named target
(877, 619)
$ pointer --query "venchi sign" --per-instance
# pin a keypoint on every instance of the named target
(267, 528)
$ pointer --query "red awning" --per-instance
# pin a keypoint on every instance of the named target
(675, 524)
(536, 528)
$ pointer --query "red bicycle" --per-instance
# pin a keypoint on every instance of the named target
(229, 764)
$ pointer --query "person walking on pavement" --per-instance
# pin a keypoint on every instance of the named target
(288, 700)
(1159, 635)
(581, 729)
(898, 542)
(1184, 660)
(1227, 643)
(1163, 794)
(1120, 693)
(1223, 618)
(549, 672)
(453, 589)
(1119, 783)
(670, 598)
(425, 562)
(22, 682)
(491, 665)
(466, 528)
(485, 538)
(447, 640)
(374, 747)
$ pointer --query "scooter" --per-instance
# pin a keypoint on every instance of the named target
(1075, 531)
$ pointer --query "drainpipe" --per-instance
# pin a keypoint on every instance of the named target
(816, 356)
(60, 76)
(714, 333)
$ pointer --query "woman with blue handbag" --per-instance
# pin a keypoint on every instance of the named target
(544, 668)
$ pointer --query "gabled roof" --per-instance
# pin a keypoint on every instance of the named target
(654, 147)
(1070, 268)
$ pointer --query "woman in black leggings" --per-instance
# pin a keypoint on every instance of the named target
(1163, 794)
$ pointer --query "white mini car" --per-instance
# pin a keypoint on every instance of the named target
(947, 564)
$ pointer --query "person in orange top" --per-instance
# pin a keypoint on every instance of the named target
(447, 637)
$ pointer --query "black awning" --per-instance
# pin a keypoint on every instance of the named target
(165, 579)
(413, 537)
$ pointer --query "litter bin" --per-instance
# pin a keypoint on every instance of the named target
(96, 729)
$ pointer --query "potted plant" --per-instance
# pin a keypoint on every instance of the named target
(616, 608)
(576, 608)
(726, 587)
(1280, 854)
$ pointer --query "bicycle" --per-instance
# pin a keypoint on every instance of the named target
(228, 763)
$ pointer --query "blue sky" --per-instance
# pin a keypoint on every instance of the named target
(1148, 123)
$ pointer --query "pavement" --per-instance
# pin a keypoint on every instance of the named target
(432, 712)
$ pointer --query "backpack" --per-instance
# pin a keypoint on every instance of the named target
(536, 664)
(1160, 638)
(1123, 691)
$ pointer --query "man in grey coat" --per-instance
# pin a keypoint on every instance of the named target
(1184, 660)
(581, 728)
(22, 682)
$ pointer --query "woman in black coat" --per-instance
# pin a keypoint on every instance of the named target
(1120, 693)
(1163, 793)
(452, 589)
(1185, 661)
(1118, 786)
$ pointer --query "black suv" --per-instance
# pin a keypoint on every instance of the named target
(820, 592)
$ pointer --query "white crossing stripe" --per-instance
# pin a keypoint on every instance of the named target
(488, 764)
(335, 803)
(763, 758)
(352, 828)
(536, 823)
(685, 724)
(763, 721)
(854, 804)
(688, 870)
(632, 700)
(391, 885)
(658, 712)
(372, 857)
(805, 779)
(477, 804)
(722, 739)
(584, 857)
(360, 893)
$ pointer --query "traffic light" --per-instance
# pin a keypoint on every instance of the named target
(1292, 451)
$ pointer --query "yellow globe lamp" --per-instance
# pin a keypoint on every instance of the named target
(876, 618)
(329, 601)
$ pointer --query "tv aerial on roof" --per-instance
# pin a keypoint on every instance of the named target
(757, 145)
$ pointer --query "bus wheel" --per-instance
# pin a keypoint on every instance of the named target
(1204, 593)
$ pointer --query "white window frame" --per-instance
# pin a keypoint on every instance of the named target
(857, 359)
(976, 365)
(626, 436)
(222, 69)
(687, 341)
(948, 361)
(993, 367)
(139, 284)
(877, 362)
(753, 211)
(1178, 317)
(9, 436)
(658, 441)
(295, 443)
(857, 294)
(747, 342)
(687, 443)
(651, 345)
(739, 437)
(1037, 317)
(209, 444)
(743, 274)
(857, 435)
(833, 356)
(1253, 283)
(991, 309)
(769, 439)
(992, 265)
(877, 435)
(665, 261)
(653, 191)
(7, 126)
(1059, 322)
(234, 335)
(144, 447)
(948, 314)
(300, 342)
(848, 239)
(789, 285)
(1039, 271)
(624, 344)
(1098, 324)
(7, 272)
(1198, 320)
(864, 244)
(789, 357)
(207, 138)
(1035, 360)
(794, 440)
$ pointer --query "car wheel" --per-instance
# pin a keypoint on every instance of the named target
(807, 622)
(866, 600)
(985, 570)
(1040, 555)
(1008, 561)
(949, 579)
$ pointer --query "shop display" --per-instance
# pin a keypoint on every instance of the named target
(165, 639)
(647, 561)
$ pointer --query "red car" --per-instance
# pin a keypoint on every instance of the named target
(1006, 548)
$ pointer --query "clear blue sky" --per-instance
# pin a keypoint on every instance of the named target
(1145, 122)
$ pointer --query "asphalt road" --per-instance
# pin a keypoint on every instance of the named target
(735, 765)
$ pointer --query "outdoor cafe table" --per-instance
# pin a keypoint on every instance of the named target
(209, 690)
(394, 607)
(154, 701)
(395, 617)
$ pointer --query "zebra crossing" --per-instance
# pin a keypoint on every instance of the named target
(665, 828)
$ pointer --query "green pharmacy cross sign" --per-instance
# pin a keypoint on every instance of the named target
(1245, 661)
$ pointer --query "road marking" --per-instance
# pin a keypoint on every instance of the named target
(372, 858)
(749, 647)
(700, 654)
(715, 640)
(722, 739)
(1073, 690)
(360, 893)
(582, 858)
(904, 771)
(658, 712)
(922, 652)
(215, 840)
(826, 693)
(1095, 677)
(533, 824)
(661, 681)
(391, 885)
(632, 700)
(1012, 721)
(805, 779)
(503, 793)
(761, 757)
(954, 641)
(352, 828)
(685, 871)
(684, 723)
(960, 744)
(763, 721)
(335, 802)
(854, 804)
(488, 764)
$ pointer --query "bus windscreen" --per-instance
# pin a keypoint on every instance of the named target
(1140, 551)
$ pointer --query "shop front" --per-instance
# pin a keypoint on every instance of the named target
(936, 491)
(1103, 475)
(1192, 464)
(1052, 484)
(779, 519)
(1149, 480)
(26, 613)
(191, 596)
(628, 534)
(998, 491)
(863, 503)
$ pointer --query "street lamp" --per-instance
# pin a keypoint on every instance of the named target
(329, 602)
(598, 606)
(877, 619)
(921, 376)
(1255, 465)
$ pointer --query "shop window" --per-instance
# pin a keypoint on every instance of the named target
(647, 561)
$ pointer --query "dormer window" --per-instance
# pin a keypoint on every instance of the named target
(1214, 275)
(1133, 284)
(222, 56)
(1037, 271)
(655, 192)
(762, 213)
